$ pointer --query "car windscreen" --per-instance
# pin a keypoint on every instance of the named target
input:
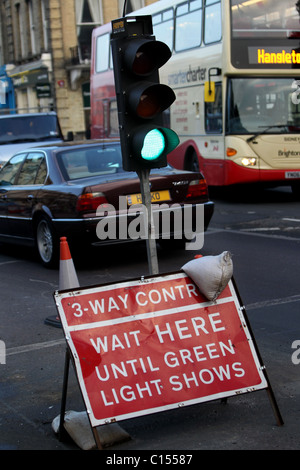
(90, 161)
(28, 129)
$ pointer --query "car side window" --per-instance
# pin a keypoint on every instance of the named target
(30, 169)
(10, 170)
(41, 173)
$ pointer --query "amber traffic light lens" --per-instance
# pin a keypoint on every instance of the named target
(148, 105)
(142, 64)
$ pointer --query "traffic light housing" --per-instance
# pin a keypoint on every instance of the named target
(141, 98)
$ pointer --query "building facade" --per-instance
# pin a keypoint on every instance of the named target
(45, 54)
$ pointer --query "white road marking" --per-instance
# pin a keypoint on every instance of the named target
(33, 347)
(260, 229)
(291, 220)
(10, 262)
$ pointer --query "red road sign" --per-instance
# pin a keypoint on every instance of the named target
(154, 344)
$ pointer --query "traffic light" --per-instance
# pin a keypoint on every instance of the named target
(141, 98)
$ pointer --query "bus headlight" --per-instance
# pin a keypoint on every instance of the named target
(247, 161)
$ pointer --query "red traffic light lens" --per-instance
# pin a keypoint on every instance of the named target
(143, 64)
(144, 56)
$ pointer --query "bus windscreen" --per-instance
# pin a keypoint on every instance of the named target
(265, 34)
(263, 105)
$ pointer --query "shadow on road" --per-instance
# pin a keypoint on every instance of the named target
(249, 194)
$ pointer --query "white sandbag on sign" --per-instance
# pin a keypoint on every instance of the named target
(211, 274)
(79, 429)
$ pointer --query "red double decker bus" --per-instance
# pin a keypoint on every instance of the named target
(235, 71)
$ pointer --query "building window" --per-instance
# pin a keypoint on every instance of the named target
(20, 31)
(88, 15)
(32, 28)
(44, 25)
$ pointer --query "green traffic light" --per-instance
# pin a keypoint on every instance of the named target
(150, 146)
(154, 145)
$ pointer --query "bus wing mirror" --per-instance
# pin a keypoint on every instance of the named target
(209, 87)
(209, 92)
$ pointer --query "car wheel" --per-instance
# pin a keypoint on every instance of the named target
(45, 242)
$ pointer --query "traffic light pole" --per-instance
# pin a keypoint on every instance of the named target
(141, 101)
(149, 221)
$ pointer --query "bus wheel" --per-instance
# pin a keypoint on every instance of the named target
(193, 163)
(296, 190)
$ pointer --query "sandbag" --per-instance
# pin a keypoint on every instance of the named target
(211, 274)
(79, 429)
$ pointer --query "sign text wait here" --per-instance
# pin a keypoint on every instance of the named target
(145, 346)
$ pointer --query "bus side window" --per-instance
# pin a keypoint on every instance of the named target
(212, 22)
(113, 119)
(163, 26)
(213, 113)
(102, 53)
(188, 27)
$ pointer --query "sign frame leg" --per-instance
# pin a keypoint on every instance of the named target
(62, 433)
(269, 389)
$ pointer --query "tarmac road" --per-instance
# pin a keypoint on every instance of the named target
(267, 272)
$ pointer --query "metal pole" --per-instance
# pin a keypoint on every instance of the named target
(149, 221)
(62, 432)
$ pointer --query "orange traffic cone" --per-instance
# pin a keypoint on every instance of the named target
(67, 274)
(67, 277)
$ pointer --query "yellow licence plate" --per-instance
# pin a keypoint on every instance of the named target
(156, 196)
